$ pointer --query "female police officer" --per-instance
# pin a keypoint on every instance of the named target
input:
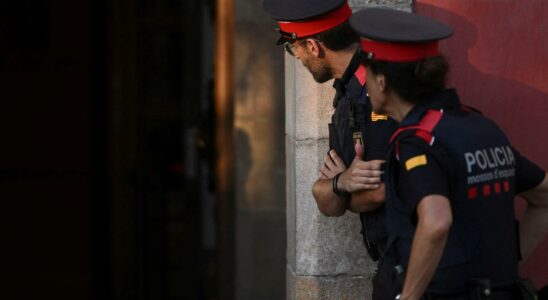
(451, 174)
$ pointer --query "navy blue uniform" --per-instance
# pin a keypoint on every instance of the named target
(353, 113)
(469, 160)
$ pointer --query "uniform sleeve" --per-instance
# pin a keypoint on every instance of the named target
(378, 133)
(528, 174)
(423, 172)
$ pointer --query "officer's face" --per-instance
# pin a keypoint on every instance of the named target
(321, 72)
(291, 47)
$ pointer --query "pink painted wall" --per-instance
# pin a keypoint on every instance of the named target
(499, 64)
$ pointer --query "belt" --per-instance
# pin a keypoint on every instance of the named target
(495, 295)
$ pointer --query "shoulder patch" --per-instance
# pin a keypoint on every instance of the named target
(376, 117)
(413, 162)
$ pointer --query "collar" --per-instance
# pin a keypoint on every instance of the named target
(340, 84)
(444, 100)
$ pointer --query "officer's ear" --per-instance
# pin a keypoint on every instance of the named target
(315, 48)
(381, 82)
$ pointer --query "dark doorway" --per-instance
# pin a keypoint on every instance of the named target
(53, 148)
(106, 162)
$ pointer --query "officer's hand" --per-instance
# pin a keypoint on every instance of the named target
(361, 174)
(332, 165)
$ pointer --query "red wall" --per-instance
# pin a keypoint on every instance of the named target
(499, 64)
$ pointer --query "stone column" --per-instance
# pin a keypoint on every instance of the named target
(259, 160)
(325, 256)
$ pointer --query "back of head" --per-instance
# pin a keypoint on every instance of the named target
(404, 48)
(414, 81)
(339, 38)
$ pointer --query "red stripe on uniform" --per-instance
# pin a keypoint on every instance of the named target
(497, 187)
(506, 185)
(426, 136)
(486, 189)
(472, 193)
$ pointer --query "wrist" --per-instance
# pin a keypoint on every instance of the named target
(336, 190)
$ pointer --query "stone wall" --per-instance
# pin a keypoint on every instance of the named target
(260, 156)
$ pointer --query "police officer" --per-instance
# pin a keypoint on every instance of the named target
(451, 172)
(318, 34)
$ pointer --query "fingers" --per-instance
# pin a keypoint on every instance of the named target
(333, 164)
(328, 162)
(350, 182)
(363, 184)
(323, 176)
(333, 160)
(363, 175)
(336, 159)
(354, 187)
(367, 165)
(367, 181)
(367, 170)
(328, 174)
(366, 177)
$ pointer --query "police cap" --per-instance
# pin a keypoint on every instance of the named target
(303, 18)
(398, 36)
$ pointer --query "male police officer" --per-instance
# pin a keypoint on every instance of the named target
(317, 33)
(451, 173)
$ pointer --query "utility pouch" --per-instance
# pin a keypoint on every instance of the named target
(527, 290)
(388, 281)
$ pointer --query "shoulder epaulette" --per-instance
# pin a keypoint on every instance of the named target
(423, 129)
(361, 74)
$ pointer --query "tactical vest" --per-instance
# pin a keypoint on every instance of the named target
(482, 241)
(352, 112)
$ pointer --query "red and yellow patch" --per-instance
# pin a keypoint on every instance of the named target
(376, 117)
